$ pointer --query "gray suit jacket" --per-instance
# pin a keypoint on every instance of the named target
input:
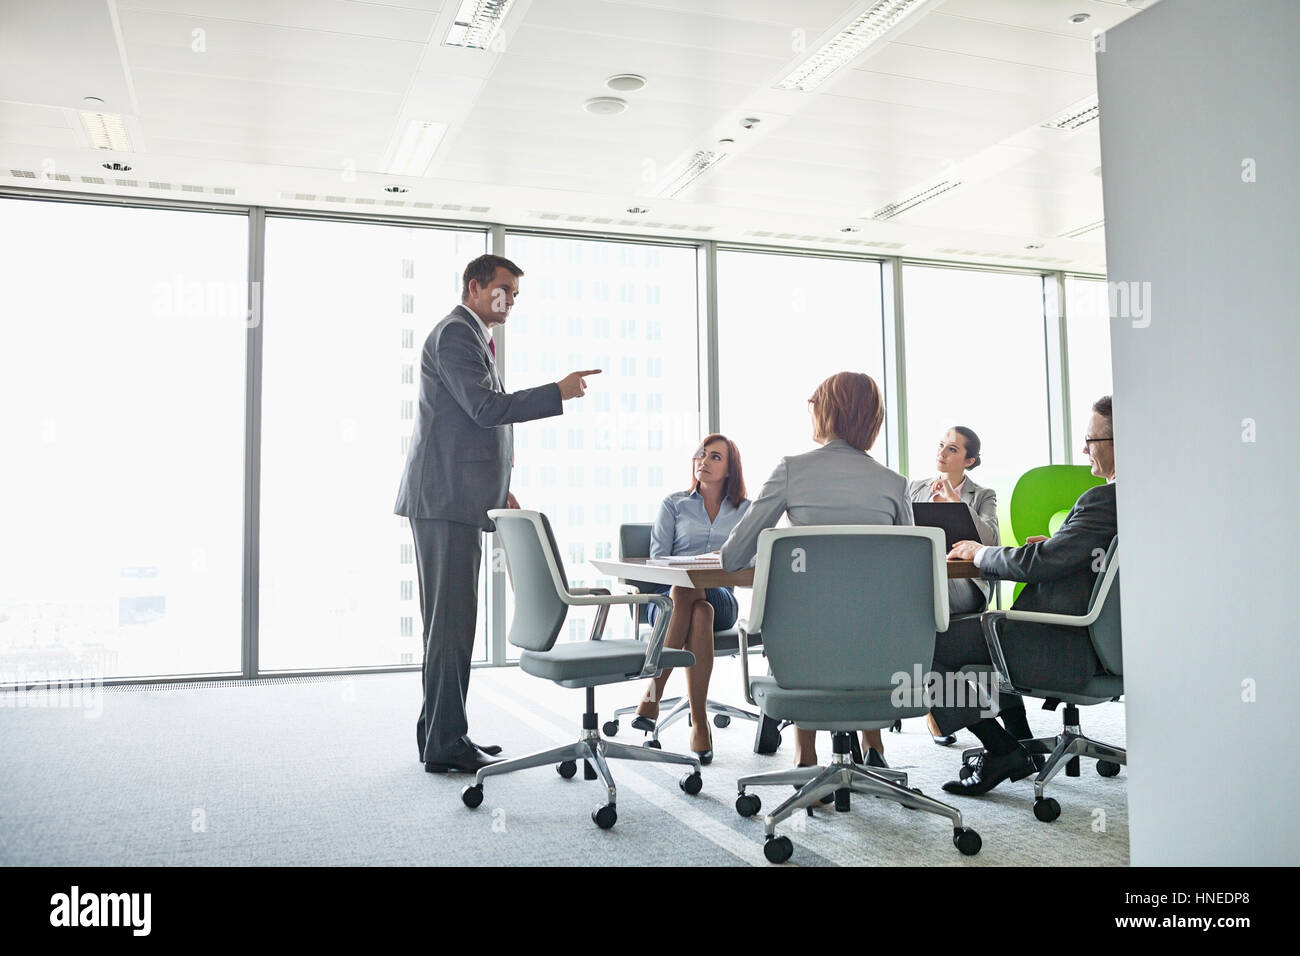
(834, 484)
(462, 448)
(967, 594)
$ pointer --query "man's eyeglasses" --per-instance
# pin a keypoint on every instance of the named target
(1089, 441)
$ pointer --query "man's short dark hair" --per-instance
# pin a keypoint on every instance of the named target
(483, 269)
(1102, 407)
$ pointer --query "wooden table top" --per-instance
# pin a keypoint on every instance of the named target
(709, 574)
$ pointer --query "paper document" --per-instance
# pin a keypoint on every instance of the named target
(711, 558)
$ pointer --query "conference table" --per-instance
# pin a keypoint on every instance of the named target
(708, 573)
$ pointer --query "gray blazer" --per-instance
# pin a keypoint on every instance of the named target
(967, 595)
(834, 484)
(983, 504)
(462, 448)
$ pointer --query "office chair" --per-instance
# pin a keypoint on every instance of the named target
(1103, 623)
(848, 615)
(634, 542)
(542, 602)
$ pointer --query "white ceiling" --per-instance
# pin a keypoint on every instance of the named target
(266, 101)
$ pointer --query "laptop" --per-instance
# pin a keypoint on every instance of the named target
(952, 516)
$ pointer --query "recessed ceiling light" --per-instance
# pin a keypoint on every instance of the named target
(396, 189)
(637, 210)
(416, 149)
(625, 82)
(701, 162)
(116, 167)
(726, 141)
(92, 101)
(476, 23)
(605, 105)
(847, 45)
(850, 229)
(1033, 245)
(106, 131)
(1080, 114)
(1080, 17)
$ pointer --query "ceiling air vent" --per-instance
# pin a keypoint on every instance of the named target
(22, 174)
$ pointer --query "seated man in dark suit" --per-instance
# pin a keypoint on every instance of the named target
(1059, 573)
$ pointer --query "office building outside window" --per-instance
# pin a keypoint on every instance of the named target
(1087, 322)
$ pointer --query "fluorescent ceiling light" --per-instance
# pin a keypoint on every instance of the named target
(477, 21)
(106, 131)
(1080, 114)
(1083, 230)
(415, 151)
(911, 202)
(699, 164)
(849, 43)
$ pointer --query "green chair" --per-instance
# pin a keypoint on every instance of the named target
(1043, 497)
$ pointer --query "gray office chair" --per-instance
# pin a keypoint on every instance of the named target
(542, 601)
(634, 542)
(1103, 623)
(848, 615)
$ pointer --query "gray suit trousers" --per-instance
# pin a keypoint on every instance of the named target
(447, 557)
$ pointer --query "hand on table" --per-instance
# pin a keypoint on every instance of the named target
(1035, 538)
(964, 551)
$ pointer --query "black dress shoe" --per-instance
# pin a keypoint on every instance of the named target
(988, 770)
(876, 759)
(463, 757)
(490, 749)
(944, 740)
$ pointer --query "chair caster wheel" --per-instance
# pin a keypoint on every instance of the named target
(721, 720)
(778, 849)
(1108, 768)
(653, 744)
(967, 841)
(472, 795)
(609, 728)
(1047, 809)
(747, 804)
(604, 816)
(566, 769)
(692, 783)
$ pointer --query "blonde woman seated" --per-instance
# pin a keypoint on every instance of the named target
(958, 453)
(838, 483)
(697, 521)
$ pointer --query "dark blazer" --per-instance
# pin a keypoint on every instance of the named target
(462, 448)
(1059, 574)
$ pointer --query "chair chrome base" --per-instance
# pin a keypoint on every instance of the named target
(595, 751)
(840, 778)
(681, 706)
(1066, 747)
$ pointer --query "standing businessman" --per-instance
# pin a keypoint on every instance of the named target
(457, 468)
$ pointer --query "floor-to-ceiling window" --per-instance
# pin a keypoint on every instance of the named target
(122, 341)
(630, 310)
(976, 356)
(785, 323)
(1087, 322)
(348, 306)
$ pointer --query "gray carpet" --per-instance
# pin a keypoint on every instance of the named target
(323, 771)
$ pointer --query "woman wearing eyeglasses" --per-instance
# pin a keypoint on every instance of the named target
(958, 453)
(697, 521)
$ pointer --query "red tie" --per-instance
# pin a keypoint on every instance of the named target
(492, 347)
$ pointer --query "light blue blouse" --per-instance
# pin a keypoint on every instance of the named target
(683, 526)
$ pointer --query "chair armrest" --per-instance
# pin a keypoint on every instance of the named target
(1043, 617)
(601, 598)
(602, 611)
(744, 657)
(990, 621)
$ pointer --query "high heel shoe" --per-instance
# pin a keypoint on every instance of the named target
(646, 724)
(705, 757)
